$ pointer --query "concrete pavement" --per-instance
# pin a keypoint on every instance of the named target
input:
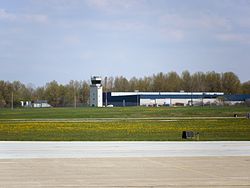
(126, 172)
(124, 164)
(22, 149)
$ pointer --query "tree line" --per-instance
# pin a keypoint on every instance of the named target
(77, 92)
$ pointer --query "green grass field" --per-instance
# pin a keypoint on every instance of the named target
(122, 112)
(223, 129)
(80, 124)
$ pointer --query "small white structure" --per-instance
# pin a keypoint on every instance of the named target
(35, 104)
(26, 103)
(41, 104)
(95, 97)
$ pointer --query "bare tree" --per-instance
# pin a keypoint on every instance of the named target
(213, 81)
(186, 81)
(121, 84)
(230, 83)
(245, 87)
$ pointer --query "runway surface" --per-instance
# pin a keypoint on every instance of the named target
(195, 172)
(125, 164)
(15, 150)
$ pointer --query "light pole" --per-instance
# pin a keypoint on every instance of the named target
(203, 95)
(137, 98)
(12, 100)
(75, 100)
(191, 98)
(75, 92)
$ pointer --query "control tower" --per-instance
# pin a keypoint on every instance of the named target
(95, 97)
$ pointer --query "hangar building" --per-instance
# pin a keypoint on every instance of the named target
(162, 98)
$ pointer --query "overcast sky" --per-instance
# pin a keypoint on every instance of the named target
(63, 40)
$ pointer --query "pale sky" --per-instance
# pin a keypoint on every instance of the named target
(63, 40)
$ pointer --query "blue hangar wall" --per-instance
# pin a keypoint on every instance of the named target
(127, 100)
(237, 97)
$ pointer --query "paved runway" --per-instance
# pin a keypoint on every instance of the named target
(195, 172)
(11, 150)
(125, 164)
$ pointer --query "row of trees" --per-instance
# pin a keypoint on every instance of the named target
(227, 82)
(56, 94)
(77, 92)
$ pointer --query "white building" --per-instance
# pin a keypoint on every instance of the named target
(41, 104)
(95, 97)
(163, 98)
(35, 104)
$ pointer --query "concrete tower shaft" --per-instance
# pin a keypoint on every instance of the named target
(95, 97)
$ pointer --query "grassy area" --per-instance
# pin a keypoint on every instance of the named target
(222, 129)
(121, 112)
(123, 130)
